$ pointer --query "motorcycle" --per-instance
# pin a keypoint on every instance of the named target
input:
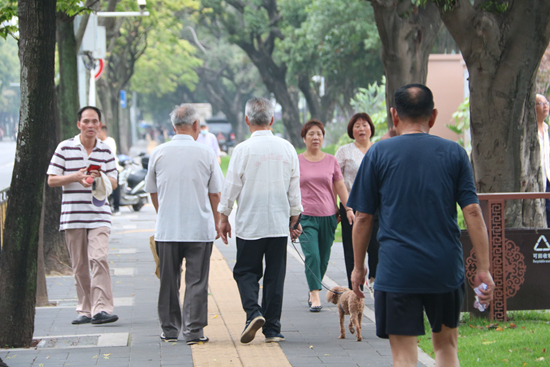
(131, 181)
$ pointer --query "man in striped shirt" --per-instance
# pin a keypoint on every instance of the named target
(87, 226)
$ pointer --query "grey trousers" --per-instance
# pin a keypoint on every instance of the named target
(195, 306)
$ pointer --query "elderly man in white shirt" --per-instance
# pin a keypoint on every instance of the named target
(264, 177)
(185, 181)
(207, 138)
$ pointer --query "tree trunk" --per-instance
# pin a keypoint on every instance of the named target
(274, 78)
(408, 33)
(502, 53)
(231, 106)
(276, 84)
(68, 103)
(320, 108)
(19, 255)
(235, 116)
(56, 254)
(291, 115)
(41, 287)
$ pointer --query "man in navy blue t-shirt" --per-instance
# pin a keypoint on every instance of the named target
(415, 181)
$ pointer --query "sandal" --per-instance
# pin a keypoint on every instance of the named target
(315, 308)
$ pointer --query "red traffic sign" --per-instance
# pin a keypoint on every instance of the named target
(98, 70)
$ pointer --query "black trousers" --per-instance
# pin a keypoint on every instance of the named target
(116, 199)
(249, 270)
(372, 250)
(116, 196)
(547, 205)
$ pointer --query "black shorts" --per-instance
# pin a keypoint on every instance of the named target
(402, 313)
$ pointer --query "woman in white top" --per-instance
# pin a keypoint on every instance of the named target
(349, 156)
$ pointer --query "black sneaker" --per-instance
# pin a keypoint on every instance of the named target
(167, 339)
(202, 339)
(82, 319)
(249, 332)
(103, 318)
(274, 338)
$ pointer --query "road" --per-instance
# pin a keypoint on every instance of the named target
(7, 155)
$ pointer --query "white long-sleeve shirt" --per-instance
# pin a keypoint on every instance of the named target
(264, 178)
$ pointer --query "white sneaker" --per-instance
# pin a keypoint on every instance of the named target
(370, 287)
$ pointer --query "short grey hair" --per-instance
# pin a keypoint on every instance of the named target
(184, 114)
(259, 111)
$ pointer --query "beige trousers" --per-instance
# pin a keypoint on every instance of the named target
(89, 248)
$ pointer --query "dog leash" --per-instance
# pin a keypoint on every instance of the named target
(311, 271)
(293, 241)
(308, 268)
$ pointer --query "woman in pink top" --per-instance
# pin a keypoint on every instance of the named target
(320, 178)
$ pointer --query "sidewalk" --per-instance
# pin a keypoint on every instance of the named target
(311, 339)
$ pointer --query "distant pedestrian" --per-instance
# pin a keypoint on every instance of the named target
(415, 181)
(264, 178)
(87, 226)
(104, 137)
(349, 156)
(320, 179)
(209, 139)
(184, 181)
(541, 105)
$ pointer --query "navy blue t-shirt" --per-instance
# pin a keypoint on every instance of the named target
(415, 181)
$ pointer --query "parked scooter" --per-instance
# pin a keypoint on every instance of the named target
(132, 181)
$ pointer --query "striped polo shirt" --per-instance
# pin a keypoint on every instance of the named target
(77, 210)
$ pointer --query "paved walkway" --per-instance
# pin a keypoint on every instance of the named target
(311, 339)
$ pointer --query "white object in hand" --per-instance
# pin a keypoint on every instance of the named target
(481, 307)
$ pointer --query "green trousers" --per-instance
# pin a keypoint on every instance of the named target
(316, 241)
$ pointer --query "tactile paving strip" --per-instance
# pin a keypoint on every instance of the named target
(226, 320)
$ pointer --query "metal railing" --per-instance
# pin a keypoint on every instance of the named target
(4, 195)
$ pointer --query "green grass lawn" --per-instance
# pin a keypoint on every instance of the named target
(225, 164)
(524, 340)
(338, 233)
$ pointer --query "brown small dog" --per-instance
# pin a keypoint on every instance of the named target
(348, 304)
